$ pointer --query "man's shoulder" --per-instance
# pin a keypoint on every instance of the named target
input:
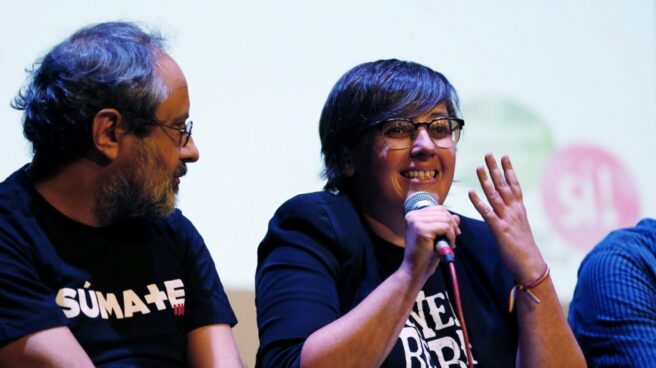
(15, 203)
(177, 225)
(631, 249)
(176, 218)
(637, 240)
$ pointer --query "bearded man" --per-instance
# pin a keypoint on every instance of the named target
(97, 266)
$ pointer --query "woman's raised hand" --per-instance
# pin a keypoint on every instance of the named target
(506, 216)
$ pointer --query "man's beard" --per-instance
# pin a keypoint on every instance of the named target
(144, 189)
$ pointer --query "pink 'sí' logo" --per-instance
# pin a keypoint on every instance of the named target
(587, 192)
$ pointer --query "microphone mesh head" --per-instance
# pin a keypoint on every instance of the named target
(418, 200)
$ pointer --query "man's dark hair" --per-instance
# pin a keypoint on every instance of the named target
(372, 92)
(107, 65)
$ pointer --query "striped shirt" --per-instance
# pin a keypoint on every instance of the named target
(613, 313)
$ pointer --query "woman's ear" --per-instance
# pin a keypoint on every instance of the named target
(346, 163)
(107, 128)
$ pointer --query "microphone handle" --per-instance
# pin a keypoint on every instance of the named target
(444, 250)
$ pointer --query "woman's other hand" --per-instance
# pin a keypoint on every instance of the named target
(506, 216)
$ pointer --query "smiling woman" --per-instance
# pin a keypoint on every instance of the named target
(345, 279)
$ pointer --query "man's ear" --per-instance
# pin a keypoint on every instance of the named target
(346, 163)
(108, 127)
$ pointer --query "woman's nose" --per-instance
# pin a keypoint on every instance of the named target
(423, 143)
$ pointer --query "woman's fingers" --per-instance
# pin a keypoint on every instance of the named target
(511, 177)
(486, 211)
(491, 193)
(434, 222)
(500, 186)
(498, 178)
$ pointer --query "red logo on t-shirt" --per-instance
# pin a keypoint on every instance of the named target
(178, 310)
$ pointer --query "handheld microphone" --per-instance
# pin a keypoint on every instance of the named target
(419, 200)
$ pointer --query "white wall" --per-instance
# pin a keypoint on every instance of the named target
(536, 81)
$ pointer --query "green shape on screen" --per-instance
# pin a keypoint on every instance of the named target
(503, 126)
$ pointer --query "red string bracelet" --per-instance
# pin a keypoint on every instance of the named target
(527, 289)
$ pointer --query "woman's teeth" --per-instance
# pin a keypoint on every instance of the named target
(419, 174)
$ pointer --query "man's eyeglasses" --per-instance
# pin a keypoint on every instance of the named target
(399, 133)
(185, 132)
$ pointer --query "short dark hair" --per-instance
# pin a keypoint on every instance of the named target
(107, 65)
(372, 92)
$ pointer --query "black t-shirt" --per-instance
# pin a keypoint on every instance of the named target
(129, 292)
(319, 260)
(432, 336)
